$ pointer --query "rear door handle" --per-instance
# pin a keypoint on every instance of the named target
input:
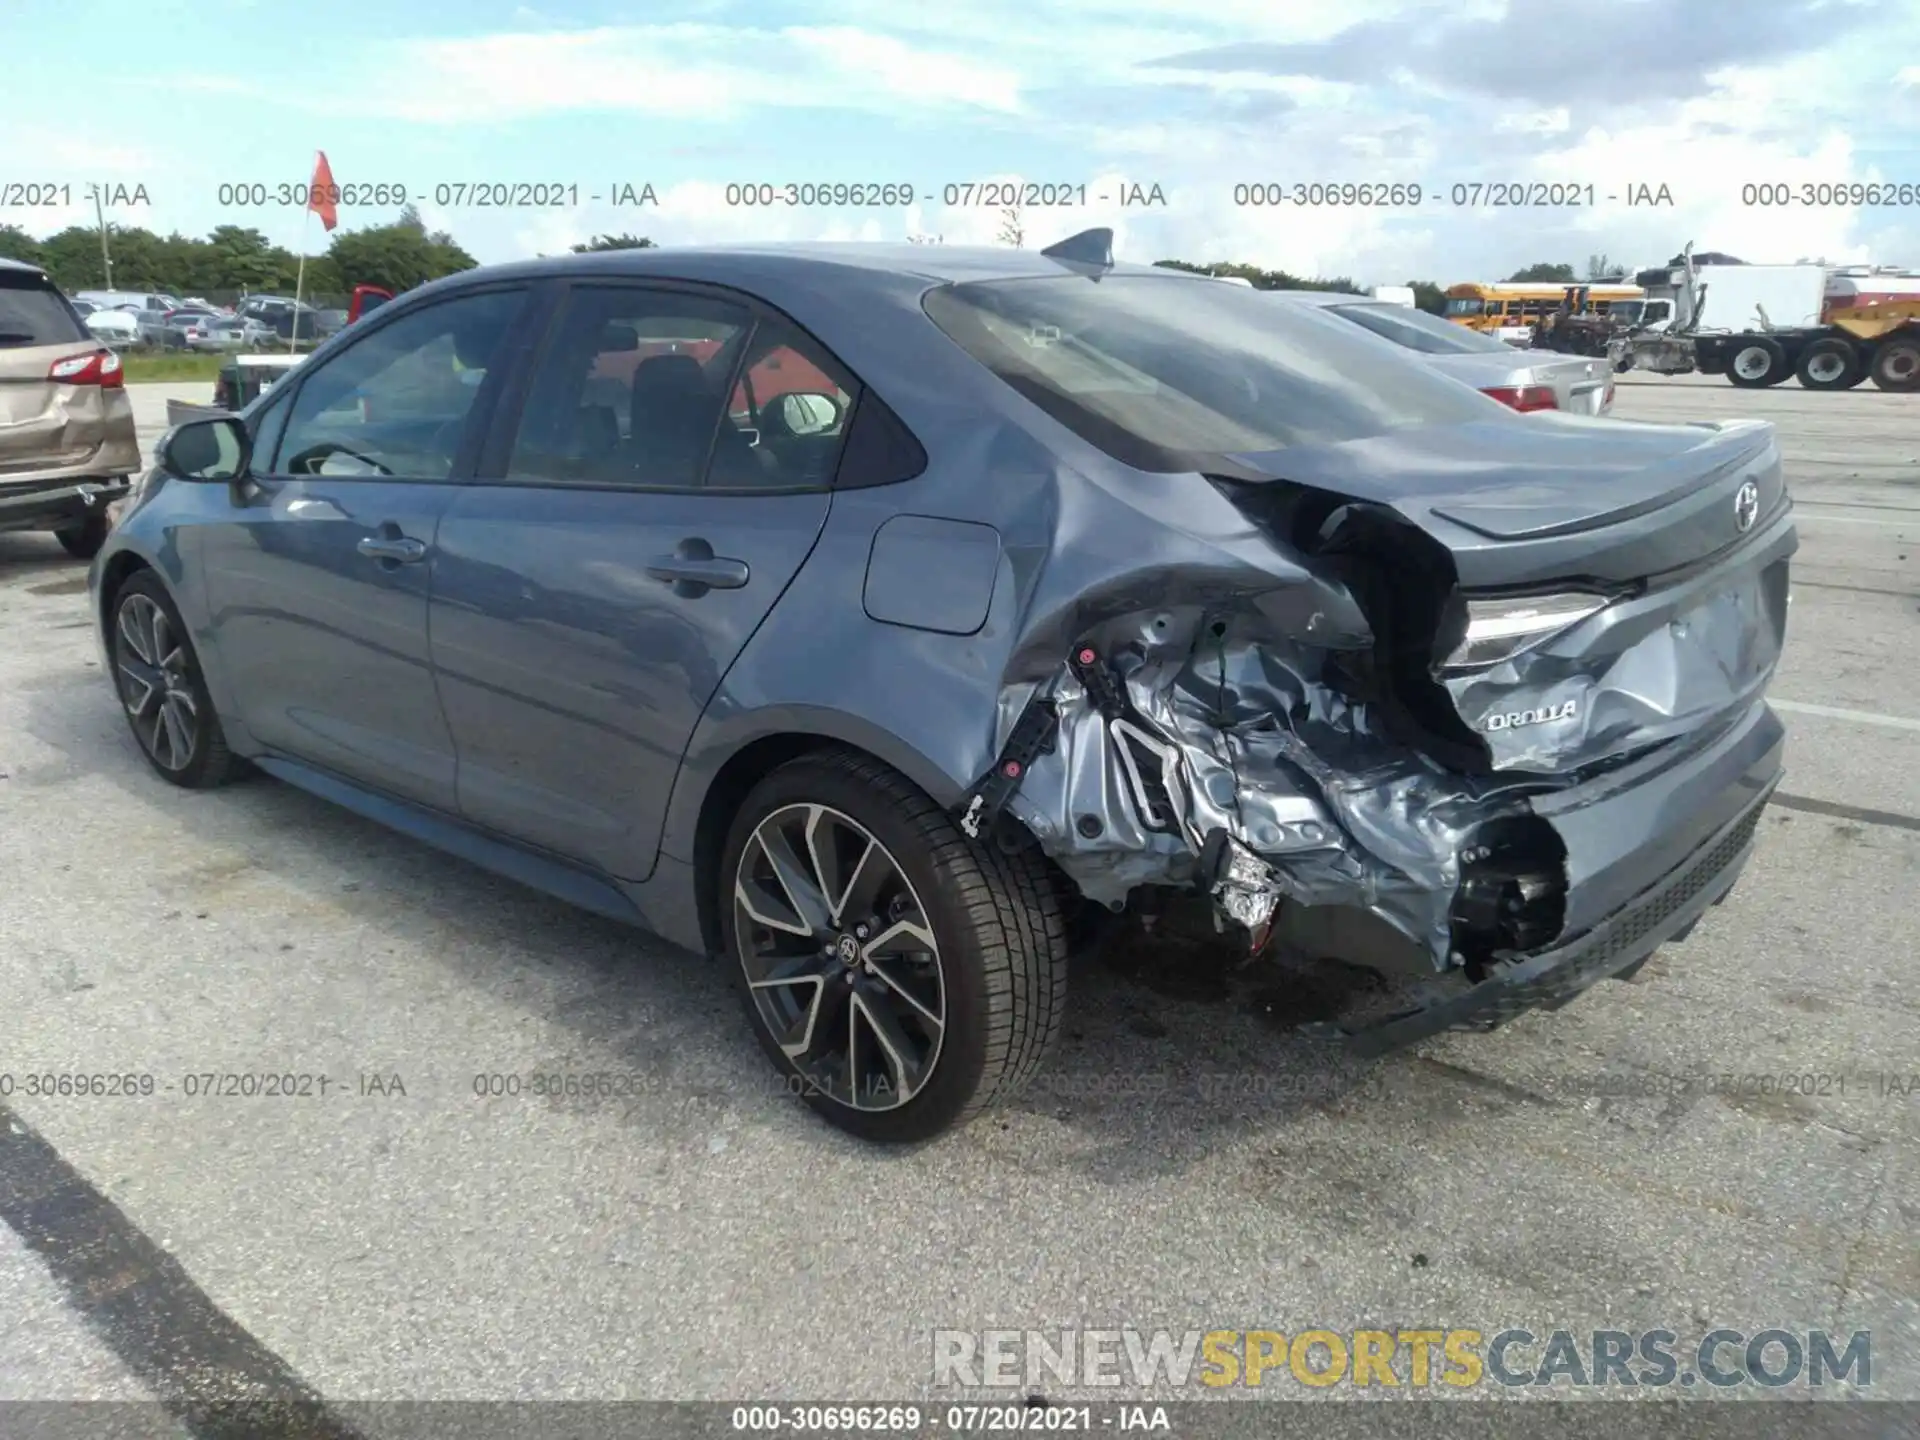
(401, 549)
(693, 569)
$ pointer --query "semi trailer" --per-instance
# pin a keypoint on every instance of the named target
(1776, 321)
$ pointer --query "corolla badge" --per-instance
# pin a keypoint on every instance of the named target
(1746, 507)
(1514, 719)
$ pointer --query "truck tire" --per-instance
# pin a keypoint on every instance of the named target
(1830, 364)
(1897, 366)
(1756, 362)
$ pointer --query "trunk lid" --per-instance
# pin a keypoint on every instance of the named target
(1679, 535)
(43, 424)
(1522, 500)
(1580, 385)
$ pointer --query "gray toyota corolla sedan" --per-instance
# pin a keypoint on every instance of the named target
(864, 614)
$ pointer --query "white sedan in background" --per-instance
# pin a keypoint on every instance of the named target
(1522, 379)
(116, 328)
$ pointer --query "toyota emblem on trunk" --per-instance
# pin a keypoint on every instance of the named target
(1746, 507)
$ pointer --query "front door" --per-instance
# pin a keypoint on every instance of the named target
(648, 515)
(318, 581)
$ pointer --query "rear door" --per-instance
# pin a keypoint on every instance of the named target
(317, 577)
(44, 425)
(632, 526)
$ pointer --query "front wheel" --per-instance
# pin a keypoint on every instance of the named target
(158, 677)
(901, 977)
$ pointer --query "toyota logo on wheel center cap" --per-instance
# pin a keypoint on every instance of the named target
(1746, 507)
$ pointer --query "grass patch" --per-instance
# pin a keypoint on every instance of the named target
(181, 365)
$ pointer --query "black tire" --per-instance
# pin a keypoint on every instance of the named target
(83, 541)
(204, 761)
(1896, 366)
(997, 969)
(1830, 364)
(1744, 368)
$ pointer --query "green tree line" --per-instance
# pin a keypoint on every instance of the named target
(237, 257)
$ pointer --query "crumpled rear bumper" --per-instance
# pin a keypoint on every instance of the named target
(1723, 789)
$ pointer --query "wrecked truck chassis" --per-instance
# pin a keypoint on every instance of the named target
(1251, 746)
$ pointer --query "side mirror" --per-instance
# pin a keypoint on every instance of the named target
(214, 451)
(806, 413)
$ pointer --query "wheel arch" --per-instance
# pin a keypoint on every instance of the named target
(717, 776)
(115, 571)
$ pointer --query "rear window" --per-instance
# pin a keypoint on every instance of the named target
(1417, 330)
(32, 312)
(1166, 373)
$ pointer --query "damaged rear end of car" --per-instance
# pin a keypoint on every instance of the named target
(1471, 701)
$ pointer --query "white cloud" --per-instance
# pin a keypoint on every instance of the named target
(671, 71)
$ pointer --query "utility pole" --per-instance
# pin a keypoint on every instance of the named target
(100, 213)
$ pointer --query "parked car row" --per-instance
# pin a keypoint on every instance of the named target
(125, 319)
(869, 616)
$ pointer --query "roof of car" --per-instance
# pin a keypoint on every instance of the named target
(20, 266)
(937, 264)
(1326, 297)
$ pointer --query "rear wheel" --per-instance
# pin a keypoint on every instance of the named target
(1758, 363)
(83, 541)
(1830, 364)
(901, 977)
(1897, 366)
(162, 689)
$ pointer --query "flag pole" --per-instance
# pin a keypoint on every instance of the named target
(300, 276)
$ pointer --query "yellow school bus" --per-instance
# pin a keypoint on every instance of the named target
(1515, 307)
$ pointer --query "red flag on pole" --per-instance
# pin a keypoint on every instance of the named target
(323, 195)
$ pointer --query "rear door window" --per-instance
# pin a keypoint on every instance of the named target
(33, 312)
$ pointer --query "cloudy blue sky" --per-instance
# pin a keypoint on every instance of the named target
(1702, 96)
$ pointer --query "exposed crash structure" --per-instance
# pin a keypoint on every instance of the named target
(1346, 723)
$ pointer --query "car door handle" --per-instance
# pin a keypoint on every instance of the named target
(401, 548)
(693, 569)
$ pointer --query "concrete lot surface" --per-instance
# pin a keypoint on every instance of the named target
(1187, 1162)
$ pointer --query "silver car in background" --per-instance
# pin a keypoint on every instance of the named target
(1523, 379)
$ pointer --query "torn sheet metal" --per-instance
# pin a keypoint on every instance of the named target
(1225, 734)
(1659, 669)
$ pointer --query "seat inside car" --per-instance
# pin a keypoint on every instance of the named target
(670, 415)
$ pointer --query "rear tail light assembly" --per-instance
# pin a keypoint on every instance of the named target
(1524, 397)
(1500, 629)
(101, 368)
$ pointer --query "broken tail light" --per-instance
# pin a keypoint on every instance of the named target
(1524, 397)
(1501, 629)
(101, 368)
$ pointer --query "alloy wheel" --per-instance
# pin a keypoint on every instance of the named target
(155, 681)
(840, 957)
